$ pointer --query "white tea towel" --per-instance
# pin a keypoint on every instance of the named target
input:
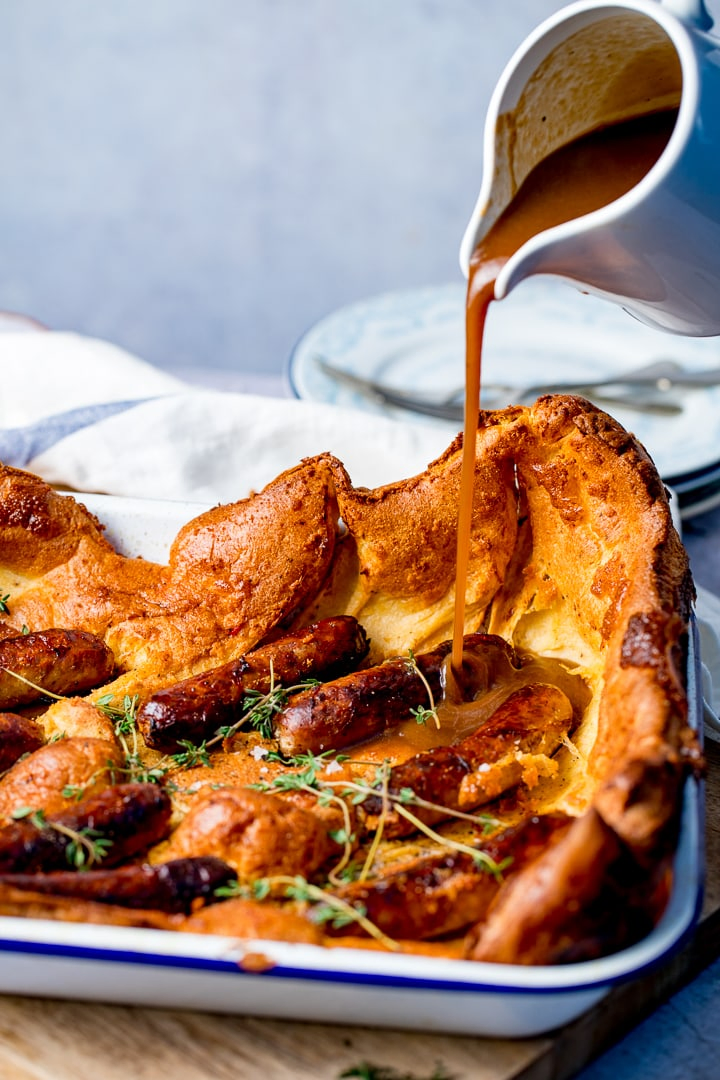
(89, 416)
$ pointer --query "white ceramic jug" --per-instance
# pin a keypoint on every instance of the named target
(656, 250)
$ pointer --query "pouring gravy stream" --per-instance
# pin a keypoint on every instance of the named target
(576, 179)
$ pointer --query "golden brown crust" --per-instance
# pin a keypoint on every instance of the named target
(606, 576)
(40, 529)
(573, 556)
(30, 905)
(258, 835)
(247, 920)
(396, 567)
(228, 582)
(534, 916)
(52, 777)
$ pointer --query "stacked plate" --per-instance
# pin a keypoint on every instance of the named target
(544, 333)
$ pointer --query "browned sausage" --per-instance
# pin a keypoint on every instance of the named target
(432, 896)
(480, 767)
(18, 735)
(367, 702)
(173, 886)
(60, 661)
(440, 894)
(129, 817)
(195, 708)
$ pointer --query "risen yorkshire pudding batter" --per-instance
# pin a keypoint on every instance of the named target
(526, 811)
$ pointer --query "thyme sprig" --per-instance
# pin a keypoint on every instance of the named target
(327, 909)
(77, 791)
(367, 1071)
(308, 766)
(486, 862)
(258, 712)
(308, 779)
(85, 847)
(422, 714)
(384, 779)
(260, 709)
(4, 609)
(28, 682)
(355, 792)
(124, 717)
(191, 756)
(406, 796)
(360, 791)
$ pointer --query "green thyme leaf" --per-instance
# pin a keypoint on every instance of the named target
(192, 756)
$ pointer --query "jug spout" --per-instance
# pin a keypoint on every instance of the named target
(654, 249)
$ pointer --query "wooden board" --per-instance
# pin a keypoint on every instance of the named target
(51, 1040)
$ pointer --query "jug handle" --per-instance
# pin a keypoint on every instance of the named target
(692, 12)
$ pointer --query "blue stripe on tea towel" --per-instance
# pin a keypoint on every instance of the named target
(20, 445)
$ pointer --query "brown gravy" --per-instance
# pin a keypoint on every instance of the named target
(576, 179)
(457, 717)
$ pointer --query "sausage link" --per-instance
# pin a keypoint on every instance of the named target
(19, 735)
(174, 886)
(533, 720)
(368, 702)
(195, 708)
(441, 894)
(60, 661)
(357, 706)
(130, 817)
(434, 895)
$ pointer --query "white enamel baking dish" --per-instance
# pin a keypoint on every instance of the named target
(302, 982)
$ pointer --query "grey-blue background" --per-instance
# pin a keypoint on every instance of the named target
(200, 180)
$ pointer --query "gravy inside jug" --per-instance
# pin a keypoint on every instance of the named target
(574, 180)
